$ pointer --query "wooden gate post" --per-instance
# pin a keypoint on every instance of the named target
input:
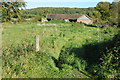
(37, 43)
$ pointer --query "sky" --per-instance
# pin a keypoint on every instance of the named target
(63, 3)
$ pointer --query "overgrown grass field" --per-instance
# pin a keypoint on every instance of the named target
(67, 50)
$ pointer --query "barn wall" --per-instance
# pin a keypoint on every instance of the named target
(87, 21)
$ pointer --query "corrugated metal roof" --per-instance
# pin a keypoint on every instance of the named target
(67, 16)
(63, 16)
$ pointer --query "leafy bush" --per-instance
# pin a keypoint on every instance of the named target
(109, 66)
(66, 59)
(66, 67)
(71, 60)
(27, 16)
(80, 64)
(36, 18)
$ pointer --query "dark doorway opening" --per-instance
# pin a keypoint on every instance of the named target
(73, 20)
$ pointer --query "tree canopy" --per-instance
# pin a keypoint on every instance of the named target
(12, 8)
(104, 9)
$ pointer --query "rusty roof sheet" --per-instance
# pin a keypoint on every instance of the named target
(63, 16)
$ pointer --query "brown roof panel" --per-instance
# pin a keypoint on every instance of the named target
(63, 16)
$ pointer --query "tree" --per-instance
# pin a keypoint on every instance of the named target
(114, 12)
(12, 8)
(119, 14)
(104, 9)
(97, 16)
(41, 15)
(44, 13)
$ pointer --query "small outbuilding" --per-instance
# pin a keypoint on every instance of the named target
(71, 18)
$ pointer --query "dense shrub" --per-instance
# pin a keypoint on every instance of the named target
(36, 18)
(80, 64)
(66, 67)
(109, 66)
(99, 59)
(110, 61)
(70, 59)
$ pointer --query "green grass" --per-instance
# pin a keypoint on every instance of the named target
(21, 60)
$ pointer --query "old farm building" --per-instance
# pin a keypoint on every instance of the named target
(71, 18)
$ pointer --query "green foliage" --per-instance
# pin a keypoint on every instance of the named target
(41, 15)
(12, 9)
(66, 58)
(44, 13)
(20, 62)
(109, 13)
(66, 67)
(36, 18)
(109, 66)
(114, 13)
(78, 46)
(80, 64)
(97, 16)
(110, 60)
(60, 10)
(27, 16)
(104, 9)
(12, 57)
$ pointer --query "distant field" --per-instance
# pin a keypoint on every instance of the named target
(21, 60)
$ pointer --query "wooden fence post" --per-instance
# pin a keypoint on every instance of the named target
(37, 43)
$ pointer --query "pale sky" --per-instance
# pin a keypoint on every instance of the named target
(63, 3)
(67, 0)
